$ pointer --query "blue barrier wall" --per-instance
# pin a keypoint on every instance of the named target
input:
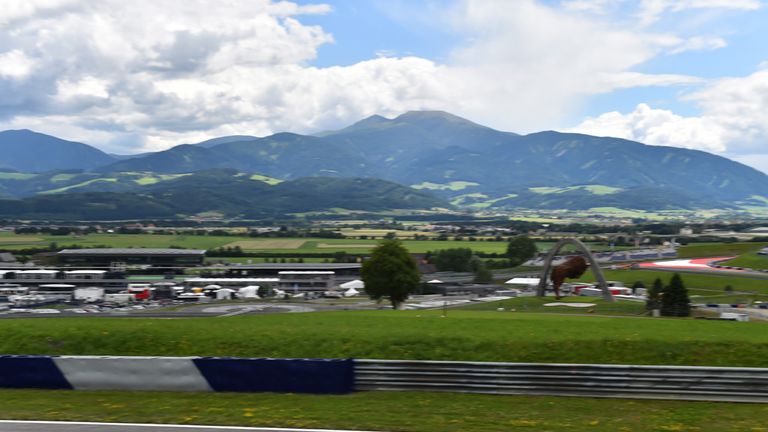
(278, 375)
(178, 374)
(31, 372)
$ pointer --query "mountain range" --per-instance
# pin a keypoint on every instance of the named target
(454, 159)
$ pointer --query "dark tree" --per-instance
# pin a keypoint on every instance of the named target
(482, 274)
(675, 301)
(265, 291)
(390, 272)
(456, 259)
(520, 249)
(636, 285)
(654, 295)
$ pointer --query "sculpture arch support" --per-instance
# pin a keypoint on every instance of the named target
(596, 270)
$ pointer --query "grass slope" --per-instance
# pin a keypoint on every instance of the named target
(390, 411)
(463, 335)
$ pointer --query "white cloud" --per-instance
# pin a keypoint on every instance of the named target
(733, 122)
(530, 65)
(699, 43)
(651, 10)
(15, 64)
(591, 6)
(144, 75)
(657, 127)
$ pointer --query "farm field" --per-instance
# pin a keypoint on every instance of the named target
(387, 334)
(21, 241)
(268, 245)
(391, 411)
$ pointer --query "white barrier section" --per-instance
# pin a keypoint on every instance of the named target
(132, 373)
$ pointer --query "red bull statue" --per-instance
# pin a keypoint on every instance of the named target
(574, 267)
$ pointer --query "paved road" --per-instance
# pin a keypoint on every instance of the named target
(21, 426)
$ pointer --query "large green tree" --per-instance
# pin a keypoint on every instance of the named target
(520, 249)
(390, 273)
(675, 301)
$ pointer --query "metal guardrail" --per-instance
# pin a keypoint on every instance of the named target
(608, 381)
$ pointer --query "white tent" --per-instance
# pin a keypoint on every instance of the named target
(224, 294)
(435, 281)
(356, 284)
(523, 281)
(351, 292)
(249, 292)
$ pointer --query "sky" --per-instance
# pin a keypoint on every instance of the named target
(144, 75)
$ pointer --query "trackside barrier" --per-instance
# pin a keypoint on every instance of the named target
(278, 375)
(177, 374)
(610, 381)
(346, 375)
(39, 372)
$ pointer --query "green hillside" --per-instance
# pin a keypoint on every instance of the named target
(224, 192)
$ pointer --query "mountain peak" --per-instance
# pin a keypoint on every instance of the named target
(431, 115)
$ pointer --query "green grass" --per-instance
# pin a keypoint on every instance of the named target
(701, 284)
(390, 411)
(453, 186)
(62, 177)
(17, 241)
(463, 335)
(749, 260)
(268, 180)
(21, 241)
(16, 176)
(79, 185)
(698, 250)
(536, 304)
(145, 179)
(593, 189)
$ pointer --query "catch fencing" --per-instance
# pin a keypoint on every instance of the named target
(607, 381)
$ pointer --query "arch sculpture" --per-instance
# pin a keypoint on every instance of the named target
(545, 273)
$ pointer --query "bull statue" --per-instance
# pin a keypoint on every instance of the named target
(573, 267)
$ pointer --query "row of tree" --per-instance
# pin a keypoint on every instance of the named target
(671, 299)
(392, 273)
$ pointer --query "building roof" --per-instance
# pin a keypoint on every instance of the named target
(523, 281)
(7, 257)
(132, 251)
(294, 266)
(306, 272)
(228, 280)
(85, 272)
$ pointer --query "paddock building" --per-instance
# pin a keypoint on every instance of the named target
(130, 258)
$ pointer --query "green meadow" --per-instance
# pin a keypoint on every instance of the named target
(483, 334)
(387, 334)
(384, 411)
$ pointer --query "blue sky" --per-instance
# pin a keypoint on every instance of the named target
(143, 75)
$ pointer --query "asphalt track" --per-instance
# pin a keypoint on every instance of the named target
(45, 426)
